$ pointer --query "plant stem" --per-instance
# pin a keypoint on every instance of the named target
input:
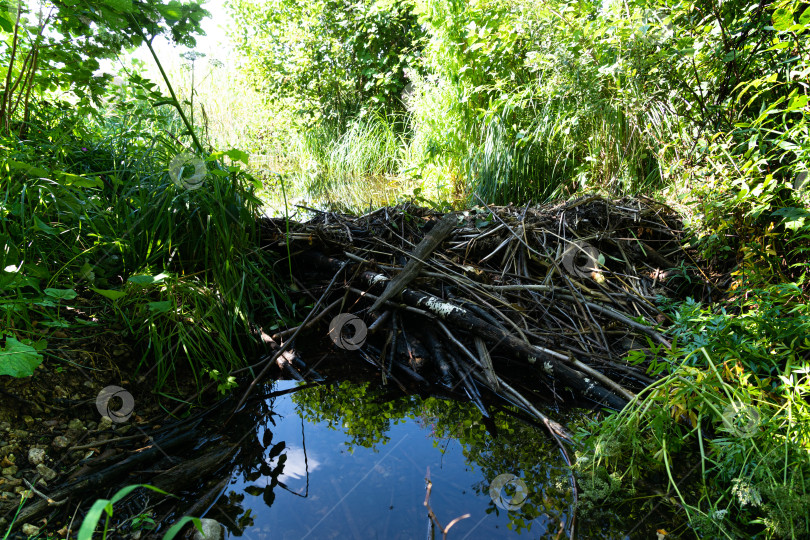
(171, 91)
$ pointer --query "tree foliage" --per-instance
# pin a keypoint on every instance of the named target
(58, 46)
(334, 58)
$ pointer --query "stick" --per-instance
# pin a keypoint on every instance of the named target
(429, 243)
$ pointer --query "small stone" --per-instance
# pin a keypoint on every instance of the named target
(76, 424)
(5, 426)
(105, 423)
(60, 442)
(91, 425)
(9, 471)
(7, 461)
(12, 482)
(46, 472)
(20, 433)
(123, 429)
(30, 530)
(60, 392)
(36, 456)
(29, 420)
(211, 530)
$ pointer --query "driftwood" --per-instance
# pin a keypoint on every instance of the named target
(521, 304)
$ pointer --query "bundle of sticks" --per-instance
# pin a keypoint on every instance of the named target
(532, 304)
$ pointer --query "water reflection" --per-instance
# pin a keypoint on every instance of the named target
(350, 461)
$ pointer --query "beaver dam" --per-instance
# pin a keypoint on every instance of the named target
(513, 305)
(442, 321)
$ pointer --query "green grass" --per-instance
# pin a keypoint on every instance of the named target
(90, 206)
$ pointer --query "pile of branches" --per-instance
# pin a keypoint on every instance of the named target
(529, 304)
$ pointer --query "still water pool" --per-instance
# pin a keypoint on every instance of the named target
(351, 460)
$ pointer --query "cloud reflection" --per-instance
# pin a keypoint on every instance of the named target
(296, 465)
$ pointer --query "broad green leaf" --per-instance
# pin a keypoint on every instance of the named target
(18, 359)
(159, 307)
(782, 19)
(29, 169)
(238, 155)
(78, 181)
(42, 226)
(121, 6)
(5, 24)
(109, 293)
(61, 294)
(797, 102)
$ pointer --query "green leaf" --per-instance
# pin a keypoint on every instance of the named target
(29, 169)
(6, 25)
(18, 359)
(238, 155)
(782, 19)
(797, 102)
(41, 226)
(177, 527)
(159, 307)
(109, 293)
(91, 519)
(75, 180)
(61, 294)
(121, 6)
(106, 505)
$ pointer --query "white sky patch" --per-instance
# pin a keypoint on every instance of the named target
(296, 466)
(215, 44)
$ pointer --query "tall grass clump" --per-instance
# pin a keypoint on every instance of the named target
(353, 168)
(91, 209)
(521, 112)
